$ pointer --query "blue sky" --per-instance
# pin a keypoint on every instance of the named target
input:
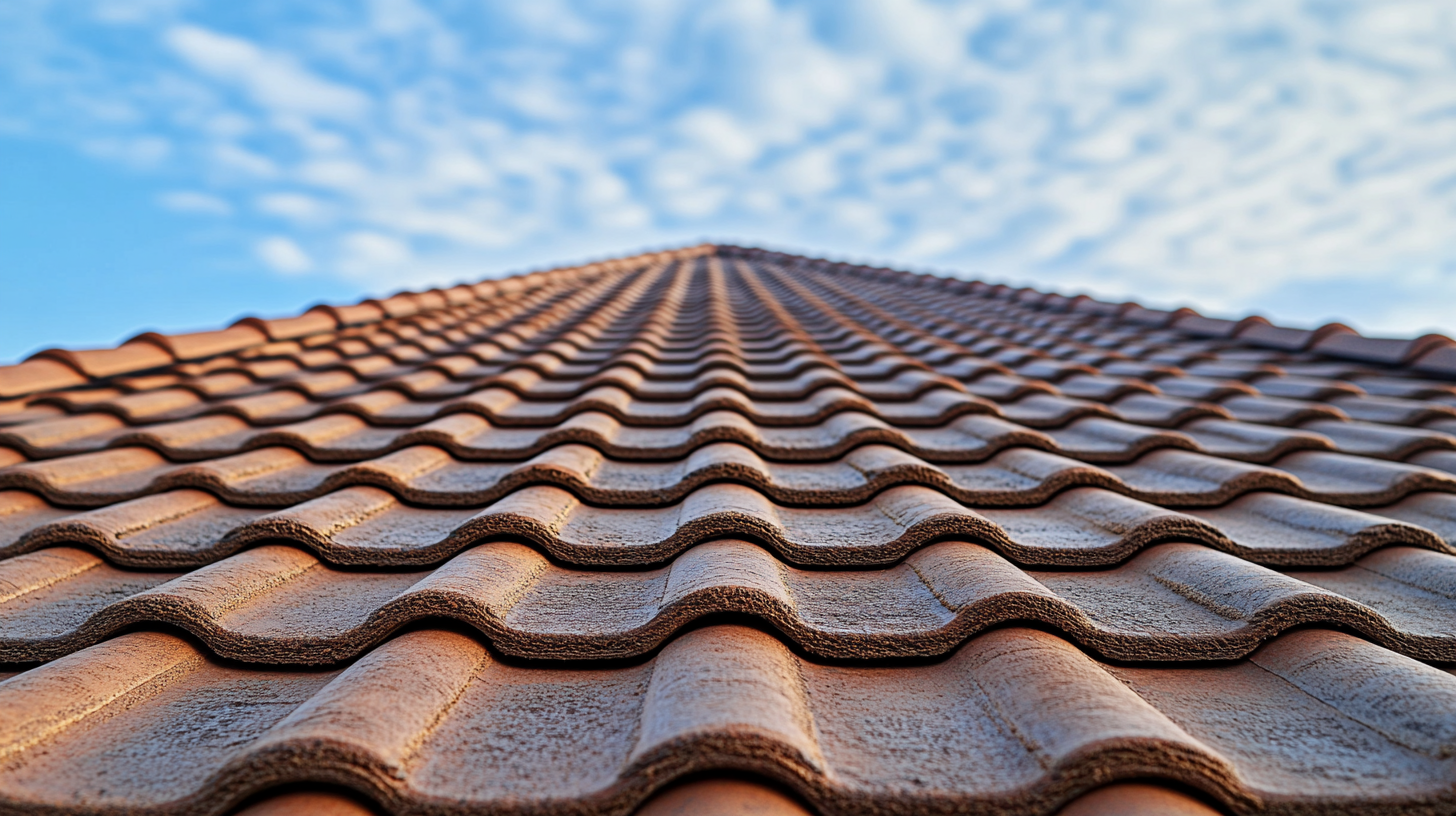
(173, 165)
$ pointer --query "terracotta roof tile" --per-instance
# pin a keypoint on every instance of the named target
(100, 363)
(368, 526)
(314, 321)
(431, 476)
(199, 345)
(1015, 719)
(37, 375)
(1173, 602)
(509, 514)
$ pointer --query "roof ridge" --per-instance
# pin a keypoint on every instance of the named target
(57, 368)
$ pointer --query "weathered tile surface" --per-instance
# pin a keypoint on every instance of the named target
(725, 531)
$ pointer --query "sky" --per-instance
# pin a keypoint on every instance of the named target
(172, 165)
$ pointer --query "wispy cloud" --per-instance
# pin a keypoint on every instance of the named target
(283, 255)
(1218, 152)
(275, 82)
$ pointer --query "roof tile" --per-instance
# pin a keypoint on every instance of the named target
(1439, 360)
(1173, 602)
(97, 363)
(37, 375)
(507, 513)
(199, 345)
(314, 321)
(1016, 719)
(1380, 350)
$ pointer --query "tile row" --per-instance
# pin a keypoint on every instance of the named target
(1016, 720)
(972, 438)
(504, 407)
(1174, 602)
(539, 376)
(369, 527)
(1014, 477)
(470, 436)
(884, 376)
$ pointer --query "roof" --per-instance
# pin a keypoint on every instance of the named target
(721, 530)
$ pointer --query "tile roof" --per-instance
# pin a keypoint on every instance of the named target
(726, 531)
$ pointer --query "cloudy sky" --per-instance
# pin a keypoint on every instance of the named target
(172, 165)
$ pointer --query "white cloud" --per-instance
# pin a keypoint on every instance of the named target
(188, 201)
(459, 168)
(275, 81)
(367, 254)
(553, 19)
(811, 173)
(283, 255)
(294, 207)
(1223, 154)
(864, 218)
(239, 160)
(717, 131)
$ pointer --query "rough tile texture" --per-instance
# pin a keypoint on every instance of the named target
(730, 532)
(1015, 720)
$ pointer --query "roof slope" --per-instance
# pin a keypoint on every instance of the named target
(726, 529)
